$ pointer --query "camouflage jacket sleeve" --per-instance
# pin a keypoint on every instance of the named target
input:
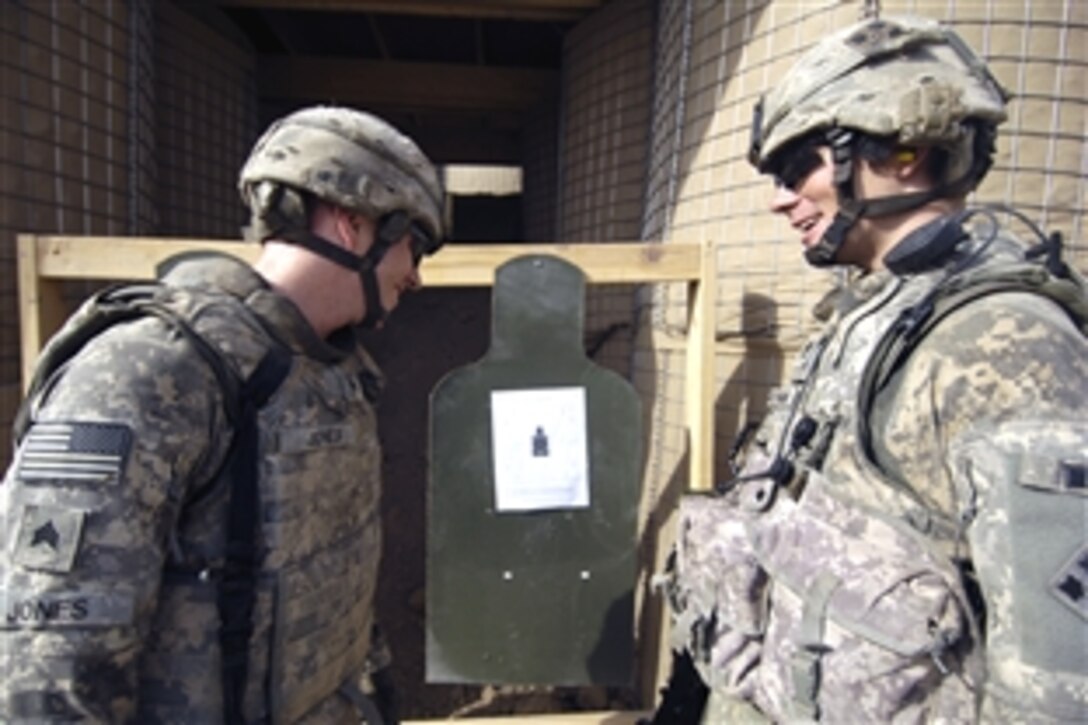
(989, 426)
(87, 510)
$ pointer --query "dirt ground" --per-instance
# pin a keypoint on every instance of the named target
(430, 334)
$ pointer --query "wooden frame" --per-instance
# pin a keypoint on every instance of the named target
(45, 261)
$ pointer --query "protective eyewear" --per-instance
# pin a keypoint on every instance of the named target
(422, 243)
(794, 164)
(395, 225)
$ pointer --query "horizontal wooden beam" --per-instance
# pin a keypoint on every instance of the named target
(119, 258)
(456, 265)
(404, 86)
(469, 265)
(530, 10)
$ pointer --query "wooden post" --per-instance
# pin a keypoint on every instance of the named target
(41, 307)
(700, 370)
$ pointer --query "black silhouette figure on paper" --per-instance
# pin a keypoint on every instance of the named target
(540, 443)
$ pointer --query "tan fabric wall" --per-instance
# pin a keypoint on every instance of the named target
(66, 162)
(701, 186)
(605, 103)
(606, 88)
(206, 122)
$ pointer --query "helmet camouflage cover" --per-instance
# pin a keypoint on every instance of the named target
(908, 79)
(349, 158)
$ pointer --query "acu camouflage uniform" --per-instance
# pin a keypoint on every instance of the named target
(115, 514)
(904, 547)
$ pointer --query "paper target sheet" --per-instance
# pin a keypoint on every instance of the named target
(538, 439)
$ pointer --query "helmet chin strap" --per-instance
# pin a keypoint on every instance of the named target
(390, 228)
(851, 209)
(825, 252)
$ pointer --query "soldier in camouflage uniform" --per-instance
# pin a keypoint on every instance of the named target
(190, 523)
(904, 538)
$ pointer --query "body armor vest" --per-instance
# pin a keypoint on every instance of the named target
(318, 532)
(855, 589)
(820, 415)
(821, 570)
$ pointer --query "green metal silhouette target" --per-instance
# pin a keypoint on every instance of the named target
(535, 463)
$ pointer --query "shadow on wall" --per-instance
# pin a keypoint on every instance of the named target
(742, 401)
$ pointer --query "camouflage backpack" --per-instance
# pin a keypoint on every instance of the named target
(242, 399)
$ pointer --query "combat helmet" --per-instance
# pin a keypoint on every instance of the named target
(356, 161)
(905, 81)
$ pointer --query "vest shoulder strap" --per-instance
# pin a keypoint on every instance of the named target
(1069, 291)
(237, 587)
(103, 310)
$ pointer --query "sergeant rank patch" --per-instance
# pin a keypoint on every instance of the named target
(48, 537)
(1070, 585)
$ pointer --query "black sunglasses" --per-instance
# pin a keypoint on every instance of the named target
(395, 225)
(422, 243)
(795, 163)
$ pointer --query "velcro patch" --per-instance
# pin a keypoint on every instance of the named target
(48, 537)
(58, 451)
(47, 610)
(1070, 584)
(300, 440)
(51, 705)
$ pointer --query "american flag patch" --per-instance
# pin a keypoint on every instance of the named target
(73, 451)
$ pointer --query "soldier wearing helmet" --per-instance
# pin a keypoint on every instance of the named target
(883, 91)
(193, 506)
(343, 160)
(904, 535)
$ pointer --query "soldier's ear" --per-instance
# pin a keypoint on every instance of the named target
(909, 161)
(347, 227)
